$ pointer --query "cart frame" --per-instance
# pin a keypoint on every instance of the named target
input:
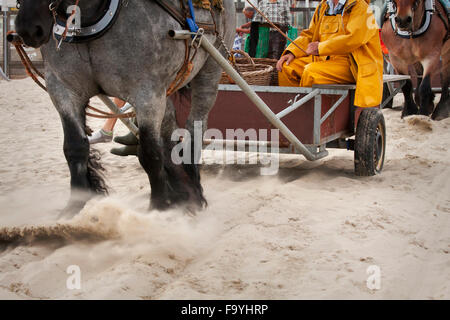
(317, 149)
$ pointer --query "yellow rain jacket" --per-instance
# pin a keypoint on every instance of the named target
(357, 37)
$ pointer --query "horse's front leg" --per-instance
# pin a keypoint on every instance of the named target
(426, 96)
(409, 106)
(86, 176)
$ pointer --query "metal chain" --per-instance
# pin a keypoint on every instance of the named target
(230, 56)
(222, 43)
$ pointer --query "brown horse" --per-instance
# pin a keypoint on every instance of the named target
(416, 33)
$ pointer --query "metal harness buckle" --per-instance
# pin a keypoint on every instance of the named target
(197, 40)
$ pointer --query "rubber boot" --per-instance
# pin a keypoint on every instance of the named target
(129, 139)
(125, 151)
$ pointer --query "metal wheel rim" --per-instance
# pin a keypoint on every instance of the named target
(379, 148)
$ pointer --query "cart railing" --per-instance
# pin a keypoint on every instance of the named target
(260, 104)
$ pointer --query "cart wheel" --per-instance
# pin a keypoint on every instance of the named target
(386, 95)
(370, 142)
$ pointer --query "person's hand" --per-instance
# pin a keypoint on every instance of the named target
(286, 58)
(313, 49)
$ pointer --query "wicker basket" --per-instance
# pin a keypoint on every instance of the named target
(266, 61)
(252, 73)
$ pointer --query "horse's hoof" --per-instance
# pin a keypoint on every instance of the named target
(442, 111)
(409, 110)
(71, 209)
(424, 112)
(125, 151)
(191, 209)
(129, 139)
(160, 204)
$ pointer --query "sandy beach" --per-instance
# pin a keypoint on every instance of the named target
(311, 231)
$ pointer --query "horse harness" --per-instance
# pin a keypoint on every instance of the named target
(80, 34)
(430, 9)
(65, 30)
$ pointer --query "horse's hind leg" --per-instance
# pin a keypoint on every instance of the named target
(169, 183)
(85, 170)
(204, 94)
(442, 110)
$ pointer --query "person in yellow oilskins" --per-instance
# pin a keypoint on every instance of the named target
(342, 46)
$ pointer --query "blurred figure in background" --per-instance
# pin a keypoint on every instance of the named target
(243, 30)
(249, 13)
(278, 12)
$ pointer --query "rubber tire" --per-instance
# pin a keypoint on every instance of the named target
(370, 142)
(386, 94)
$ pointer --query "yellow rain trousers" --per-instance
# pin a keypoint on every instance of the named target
(349, 52)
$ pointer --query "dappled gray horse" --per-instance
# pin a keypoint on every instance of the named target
(136, 61)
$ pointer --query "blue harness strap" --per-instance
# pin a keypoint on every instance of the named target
(191, 21)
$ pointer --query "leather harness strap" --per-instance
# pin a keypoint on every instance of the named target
(181, 18)
(186, 69)
(175, 13)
